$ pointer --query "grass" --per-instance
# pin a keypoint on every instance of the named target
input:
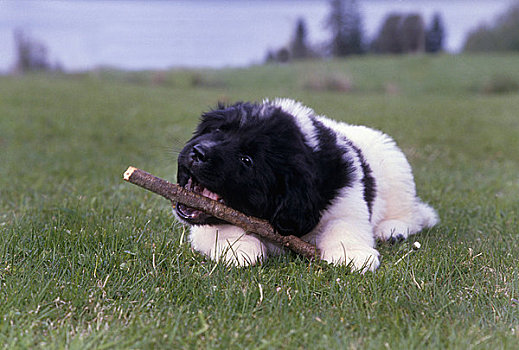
(90, 262)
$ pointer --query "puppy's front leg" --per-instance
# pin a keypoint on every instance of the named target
(341, 242)
(229, 244)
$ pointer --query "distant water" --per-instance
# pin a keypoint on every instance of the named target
(132, 34)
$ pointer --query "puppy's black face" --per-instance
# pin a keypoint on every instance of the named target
(254, 159)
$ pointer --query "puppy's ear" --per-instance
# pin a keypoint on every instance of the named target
(296, 212)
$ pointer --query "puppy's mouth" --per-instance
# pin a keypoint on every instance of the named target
(194, 216)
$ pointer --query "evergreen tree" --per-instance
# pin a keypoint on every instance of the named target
(434, 36)
(299, 47)
(345, 23)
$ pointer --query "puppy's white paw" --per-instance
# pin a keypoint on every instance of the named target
(229, 244)
(361, 259)
(392, 230)
(242, 252)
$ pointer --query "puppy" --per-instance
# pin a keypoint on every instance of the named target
(335, 185)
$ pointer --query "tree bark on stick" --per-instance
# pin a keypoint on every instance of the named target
(262, 228)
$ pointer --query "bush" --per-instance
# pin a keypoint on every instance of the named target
(500, 84)
(278, 56)
(329, 83)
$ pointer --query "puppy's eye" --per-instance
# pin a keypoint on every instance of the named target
(246, 160)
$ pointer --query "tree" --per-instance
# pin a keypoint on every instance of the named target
(412, 34)
(31, 55)
(388, 39)
(299, 48)
(503, 35)
(482, 39)
(434, 35)
(345, 23)
(400, 34)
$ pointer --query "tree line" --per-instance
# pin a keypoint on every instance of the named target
(502, 35)
(398, 34)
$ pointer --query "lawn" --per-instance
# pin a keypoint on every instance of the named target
(90, 262)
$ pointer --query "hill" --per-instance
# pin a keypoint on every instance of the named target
(87, 261)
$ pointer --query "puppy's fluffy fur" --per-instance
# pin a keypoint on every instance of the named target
(336, 185)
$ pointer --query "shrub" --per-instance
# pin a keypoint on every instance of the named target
(500, 84)
(329, 83)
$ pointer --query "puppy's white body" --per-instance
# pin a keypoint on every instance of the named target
(347, 231)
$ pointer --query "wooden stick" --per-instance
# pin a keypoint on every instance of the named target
(176, 193)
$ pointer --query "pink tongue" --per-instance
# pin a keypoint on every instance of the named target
(195, 187)
(209, 194)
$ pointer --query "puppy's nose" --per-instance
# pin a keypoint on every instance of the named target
(199, 153)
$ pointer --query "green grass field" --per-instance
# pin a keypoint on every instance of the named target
(90, 262)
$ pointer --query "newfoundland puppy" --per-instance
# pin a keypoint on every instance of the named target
(336, 185)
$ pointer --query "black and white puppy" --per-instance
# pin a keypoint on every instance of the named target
(336, 185)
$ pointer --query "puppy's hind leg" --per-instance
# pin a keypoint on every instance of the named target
(417, 217)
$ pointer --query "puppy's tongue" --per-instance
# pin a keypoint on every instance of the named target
(209, 194)
(191, 213)
(197, 188)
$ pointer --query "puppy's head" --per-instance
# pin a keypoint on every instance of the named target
(253, 158)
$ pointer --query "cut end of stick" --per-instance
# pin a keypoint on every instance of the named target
(128, 173)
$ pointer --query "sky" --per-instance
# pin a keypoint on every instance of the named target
(134, 34)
